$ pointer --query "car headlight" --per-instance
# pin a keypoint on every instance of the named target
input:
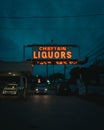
(36, 89)
(45, 89)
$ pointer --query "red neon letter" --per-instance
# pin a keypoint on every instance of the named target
(63, 55)
(69, 54)
(34, 55)
(57, 54)
(50, 54)
(44, 54)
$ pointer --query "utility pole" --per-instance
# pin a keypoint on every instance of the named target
(65, 71)
(47, 70)
(24, 47)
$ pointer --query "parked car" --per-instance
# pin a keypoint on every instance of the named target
(63, 88)
(10, 89)
(41, 89)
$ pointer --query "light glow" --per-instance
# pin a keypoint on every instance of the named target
(60, 55)
(52, 55)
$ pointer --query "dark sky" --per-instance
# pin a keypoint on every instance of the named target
(25, 22)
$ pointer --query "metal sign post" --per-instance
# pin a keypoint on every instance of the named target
(53, 54)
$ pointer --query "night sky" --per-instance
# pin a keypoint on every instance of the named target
(25, 22)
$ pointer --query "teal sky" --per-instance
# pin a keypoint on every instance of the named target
(25, 22)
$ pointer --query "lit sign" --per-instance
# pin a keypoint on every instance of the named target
(58, 62)
(52, 52)
(39, 80)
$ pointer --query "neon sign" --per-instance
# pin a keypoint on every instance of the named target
(52, 53)
(57, 62)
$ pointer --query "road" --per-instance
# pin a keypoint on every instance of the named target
(50, 112)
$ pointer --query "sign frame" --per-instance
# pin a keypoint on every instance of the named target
(56, 61)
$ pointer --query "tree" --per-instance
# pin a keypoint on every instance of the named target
(56, 76)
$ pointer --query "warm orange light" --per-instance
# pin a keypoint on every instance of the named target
(57, 62)
(64, 62)
(57, 54)
(49, 62)
(69, 54)
(39, 80)
(52, 55)
(35, 55)
(70, 62)
(73, 62)
(54, 48)
(43, 62)
(44, 54)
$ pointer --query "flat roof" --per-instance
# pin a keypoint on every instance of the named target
(16, 68)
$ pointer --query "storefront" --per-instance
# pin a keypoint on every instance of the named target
(15, 72)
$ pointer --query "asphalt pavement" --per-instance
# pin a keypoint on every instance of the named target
(50, 112)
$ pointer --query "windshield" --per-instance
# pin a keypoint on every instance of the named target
(11, 86)
(41, 85)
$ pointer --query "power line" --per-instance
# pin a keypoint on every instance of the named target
(49, 17)
(50, 28)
